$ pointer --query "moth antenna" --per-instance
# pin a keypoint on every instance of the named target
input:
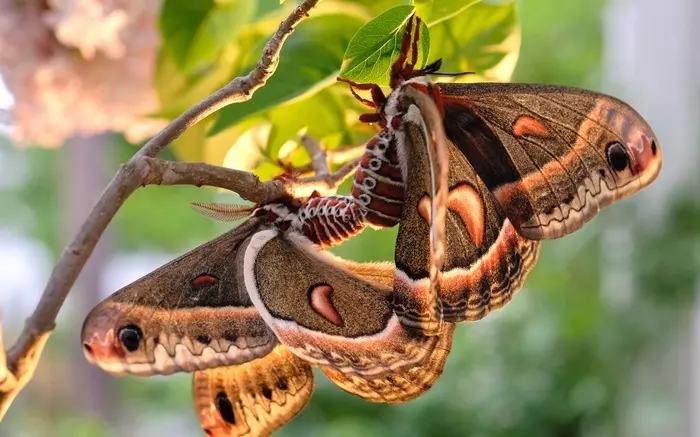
(434, 67)
(224, 212)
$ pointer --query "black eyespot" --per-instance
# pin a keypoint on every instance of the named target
(601, 172)
(617, 157)
(231, 338)
(225, 408)
(130, 337)
(267, 393)
(653, 147)
(282, 384)
(203, 339)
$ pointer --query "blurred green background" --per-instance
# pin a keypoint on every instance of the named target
(601, 341)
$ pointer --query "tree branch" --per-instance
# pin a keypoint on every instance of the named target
(22, 358)
(319, 161)
(247, 185)
(320, 158)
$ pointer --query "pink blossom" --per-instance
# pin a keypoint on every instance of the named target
(80, 67)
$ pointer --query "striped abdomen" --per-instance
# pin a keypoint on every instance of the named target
(330, 220)
(378, 183)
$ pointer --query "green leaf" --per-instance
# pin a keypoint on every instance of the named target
(377, 45)
(484, 38)
(247, 152)
(194, 33)
(266, 7)
(433, 12)
(288, 120)
(376, 7)
(308, 63)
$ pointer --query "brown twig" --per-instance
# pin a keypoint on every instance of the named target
(22, 358)
(319, 161)
(346, 154)
(324, 185)
(4, 373)
(320, 158)
(247, 185)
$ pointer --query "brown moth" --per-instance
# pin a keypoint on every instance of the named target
(474, 175)
(267, 286)
(195, 314)
(526, 163)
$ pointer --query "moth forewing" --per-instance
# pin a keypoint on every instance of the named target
(187, 315)
(553, 156)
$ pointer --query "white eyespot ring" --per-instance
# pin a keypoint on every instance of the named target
(375, 164)
(369, 183)
(364, 199)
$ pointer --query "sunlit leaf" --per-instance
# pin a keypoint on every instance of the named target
(318, 115)
(484, 38)
(377, 45)
(248, 152)
(266, 7)
(435, 11)
(376, 7)
(217, 148)
(309, 62)
(178, 91)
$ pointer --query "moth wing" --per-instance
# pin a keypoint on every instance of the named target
(486, 259)
(420, 241)
(190, 314)
(255, 398)
(553, 156)
(325, 313)
(400, 386)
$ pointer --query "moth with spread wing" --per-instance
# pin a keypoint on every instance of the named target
(526, 163)
(474, 175)
(222, 311)
(233, 307)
